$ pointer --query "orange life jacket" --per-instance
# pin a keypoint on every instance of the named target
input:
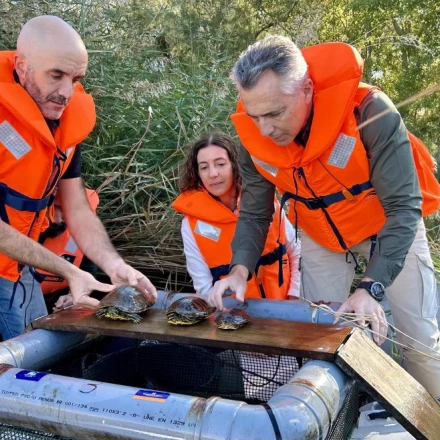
(32, 159)
(213, 226)
(334, 201)
(63, 245)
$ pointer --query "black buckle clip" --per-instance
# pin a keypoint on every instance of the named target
(315, 203)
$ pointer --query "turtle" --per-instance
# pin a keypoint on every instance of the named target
(188, 310)
(125, 303)
(232, 319)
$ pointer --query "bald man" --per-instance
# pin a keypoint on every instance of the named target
(44, 115)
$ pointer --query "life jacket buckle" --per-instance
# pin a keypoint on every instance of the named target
(348, 195)
(316, 203)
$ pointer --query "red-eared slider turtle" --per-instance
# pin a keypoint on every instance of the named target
(232, 319)
(188, 310)
(125, 303)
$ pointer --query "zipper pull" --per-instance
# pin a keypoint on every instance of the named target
(300, 172)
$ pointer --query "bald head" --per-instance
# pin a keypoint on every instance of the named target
(47, 33)
(50, 59)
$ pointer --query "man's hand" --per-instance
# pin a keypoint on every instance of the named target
(82, 284)
(235, 281)
(63, 302)
(362, 303)
(121, 273)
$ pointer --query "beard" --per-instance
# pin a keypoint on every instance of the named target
(42, 101)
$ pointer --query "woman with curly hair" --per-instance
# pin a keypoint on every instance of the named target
(210, 186)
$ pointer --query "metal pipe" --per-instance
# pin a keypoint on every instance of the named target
(39, 349)
(297, 310)
(317, 391)
(302, 409)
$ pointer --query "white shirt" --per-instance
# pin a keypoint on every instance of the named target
(199, 269)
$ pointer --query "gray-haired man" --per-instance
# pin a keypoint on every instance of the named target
(353, 189)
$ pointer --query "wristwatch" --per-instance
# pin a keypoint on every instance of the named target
(374, 288)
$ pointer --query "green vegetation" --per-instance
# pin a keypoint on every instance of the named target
(159, 75)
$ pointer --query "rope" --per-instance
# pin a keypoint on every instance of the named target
(353, 317)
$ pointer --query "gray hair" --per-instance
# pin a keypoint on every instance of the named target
(277, 53)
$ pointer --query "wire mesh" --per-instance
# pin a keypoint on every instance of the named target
(8, 432)
(185, 369)
(348, 415)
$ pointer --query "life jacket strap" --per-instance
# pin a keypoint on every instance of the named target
(20, 202)
(271, 258)
(265, 260)
(325, 201)
(218, 272)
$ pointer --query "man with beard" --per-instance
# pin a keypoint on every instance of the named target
(44, 115)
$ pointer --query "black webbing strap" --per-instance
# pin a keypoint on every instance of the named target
(274, 422)
(20, 202)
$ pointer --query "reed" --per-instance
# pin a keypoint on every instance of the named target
(158, 71)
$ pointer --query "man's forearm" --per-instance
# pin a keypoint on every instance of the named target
(86, 228)
(92, 238)
(393, 242)
(256, 211)
(248, 242)
(27, 251)
(395, 181)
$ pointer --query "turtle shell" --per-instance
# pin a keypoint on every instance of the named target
(127, 299)
(232, 319)
(188, 310)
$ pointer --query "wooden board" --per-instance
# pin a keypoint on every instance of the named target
(388, 383)
(270, 336)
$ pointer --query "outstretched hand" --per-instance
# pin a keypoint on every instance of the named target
(363, 304)
(82, 284)
(63, 302)
(235, 281)
(121, 273)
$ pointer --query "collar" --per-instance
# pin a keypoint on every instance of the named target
(303, 136)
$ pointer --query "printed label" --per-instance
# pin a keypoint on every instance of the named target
(33, 376)
(152, 395)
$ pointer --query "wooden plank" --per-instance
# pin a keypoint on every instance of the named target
(388, 383)
(270, 336)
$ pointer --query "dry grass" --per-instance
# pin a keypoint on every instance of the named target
(158, 71)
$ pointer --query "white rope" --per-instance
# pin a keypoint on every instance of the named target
(352, 318)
